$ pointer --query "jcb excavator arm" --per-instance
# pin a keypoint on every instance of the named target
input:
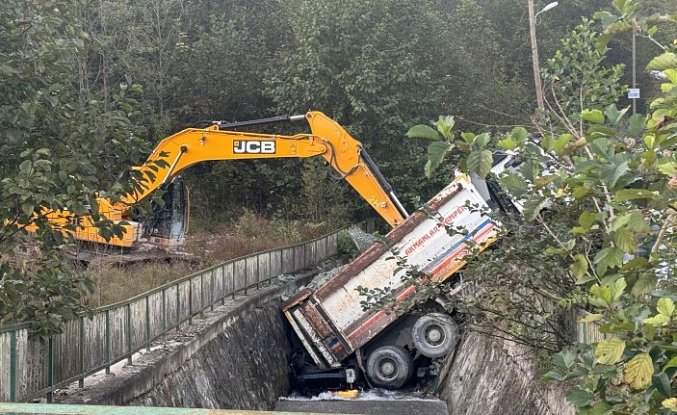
(194, 145)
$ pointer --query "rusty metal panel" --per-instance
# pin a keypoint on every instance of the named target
(314, 317)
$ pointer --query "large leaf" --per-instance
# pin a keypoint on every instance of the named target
(638, 371)
(436, 153)
(423, 131)
(514, 184)
(610, 257)
(662, 384)
(593, 116)
(613, 114)
(579, 269)
(625, 240)
(631, 194)
(665, 306)
(609, 351)
(480, 161)
(444, 125)
(579, 397)
(662, 62)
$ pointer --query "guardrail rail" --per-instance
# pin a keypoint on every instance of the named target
(32, 367)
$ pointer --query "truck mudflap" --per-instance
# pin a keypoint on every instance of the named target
(332, 323)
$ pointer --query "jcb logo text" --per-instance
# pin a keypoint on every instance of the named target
(254, 147)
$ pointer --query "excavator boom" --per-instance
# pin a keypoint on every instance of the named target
(177, 152)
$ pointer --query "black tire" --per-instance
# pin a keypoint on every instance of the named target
(435, 335)
(389, 367)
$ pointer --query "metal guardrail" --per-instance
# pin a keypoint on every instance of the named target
(31, 367)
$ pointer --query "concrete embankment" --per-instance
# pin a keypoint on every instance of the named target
(236, 357)
(491, 376)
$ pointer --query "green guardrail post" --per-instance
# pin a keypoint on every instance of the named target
(223, 284)
(270, 266)
(107, 356)
(258, 271)
(246, 276)
(81, 381)
(164, 310)
(211, 292)
(12, 365)
(293, 259)
(232, 274)
(190, 301)
(50, 369)
(148, 322)
(178, 307)
(129, 332)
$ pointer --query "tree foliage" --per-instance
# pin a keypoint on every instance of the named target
(54, 150)
(595, 243)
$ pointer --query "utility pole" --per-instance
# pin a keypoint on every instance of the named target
(634, 65)
(534, 56)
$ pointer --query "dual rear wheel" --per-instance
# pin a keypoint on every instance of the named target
(434, 335)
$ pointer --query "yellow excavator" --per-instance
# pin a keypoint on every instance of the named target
(218, 141)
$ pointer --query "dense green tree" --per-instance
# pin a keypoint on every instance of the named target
(56, 151)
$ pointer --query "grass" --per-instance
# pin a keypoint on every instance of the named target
(251, 233)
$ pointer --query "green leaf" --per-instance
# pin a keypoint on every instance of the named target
(444, 125)
(561, 143)
(519, 135)
(593, 116)
(638, 371)
(613, 114)
(671, 363)
(625, 240)
(480, 161)
(423, 131)
(587, 219)
(667, 167)
(612, 172)
(600, 296)
(436, 153)
(610, 257)
(662, 62)
(670, 403)
(26, 167)
(580, 192)
(662, 384)
(481, 141)
(514, 184)
(600, 408)
(564, 358)
(579, 269)
(658, 320)
(645, 284)
(579, 397)
(636, 124)
(617, 288)
(665, 306)
(609, 351)
(632, 194)
(507, 144)
(602, 147)
(555, 375)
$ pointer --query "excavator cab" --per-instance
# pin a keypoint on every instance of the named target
(168, 221)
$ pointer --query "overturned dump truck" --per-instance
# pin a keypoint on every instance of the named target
(337, 332)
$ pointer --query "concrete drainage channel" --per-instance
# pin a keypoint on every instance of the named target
(234, 357)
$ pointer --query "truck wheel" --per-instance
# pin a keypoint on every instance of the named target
(434, 335)
(389, 367)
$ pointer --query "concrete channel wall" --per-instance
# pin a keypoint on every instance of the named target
(236, 357)
(491, 376)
